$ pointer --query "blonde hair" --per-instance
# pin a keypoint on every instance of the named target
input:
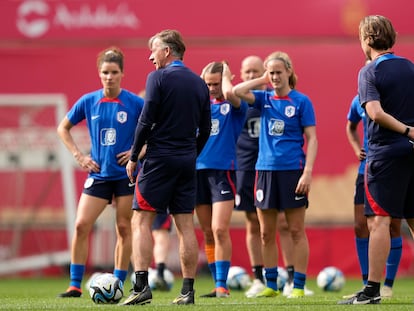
(283, 57)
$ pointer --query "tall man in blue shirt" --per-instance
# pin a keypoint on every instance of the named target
(175, 124)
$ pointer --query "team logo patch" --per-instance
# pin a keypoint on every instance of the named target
(88, 182)
(290, 111)
(225, 109)
(215, 127)
(276, 127)
(259, 195)
(121, 116)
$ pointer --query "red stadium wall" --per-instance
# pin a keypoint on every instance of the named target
(51, 47)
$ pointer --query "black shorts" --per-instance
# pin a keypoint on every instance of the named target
(359, 195)
(166, 184)
(276, 189)
(215, 186)
(389, 187)
(244, 200)
(107, 189)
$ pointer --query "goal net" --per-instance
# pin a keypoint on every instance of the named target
(37, 183)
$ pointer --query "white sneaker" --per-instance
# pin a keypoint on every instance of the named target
(386, 292)
(256, 288)
(287, 289)
(308, 292)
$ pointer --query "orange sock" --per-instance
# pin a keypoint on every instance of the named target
(210, 250)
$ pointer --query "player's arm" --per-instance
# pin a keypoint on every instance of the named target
(304, 183)
(244, 90)
(84, 161)
(378, 115)
(354, 140)
(227, 87)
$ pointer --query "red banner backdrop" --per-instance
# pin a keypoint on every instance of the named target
(103, 19)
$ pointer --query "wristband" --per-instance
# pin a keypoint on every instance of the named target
(407, 130)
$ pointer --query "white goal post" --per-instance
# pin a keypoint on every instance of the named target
(28, 146)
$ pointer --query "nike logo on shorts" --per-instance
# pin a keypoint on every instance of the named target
(297, 198)
(224, 191)
(131, 184)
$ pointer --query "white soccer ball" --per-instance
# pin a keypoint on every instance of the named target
(238, 278)
(88, 282)
(152, 276)
(106, 288)
(330, 279)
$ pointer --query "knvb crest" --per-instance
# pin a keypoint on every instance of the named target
(121, 116)
(290, 111)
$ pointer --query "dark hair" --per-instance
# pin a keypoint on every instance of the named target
(172, 39)
(379, 32)
(111, 55)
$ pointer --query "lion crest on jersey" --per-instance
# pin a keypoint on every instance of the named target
(225, 109)
(290, 111)
(121, 116)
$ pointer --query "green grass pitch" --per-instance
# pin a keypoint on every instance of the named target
(40, 294)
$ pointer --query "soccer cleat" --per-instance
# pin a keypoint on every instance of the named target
(352, 295)
(71, 292)
(255, 289)
(139, 298)
(361, 299)
(187, 299)
(211, 294)
(386, 292)
(296, 293)
(161, 284)
(268, 292)
(222, 292)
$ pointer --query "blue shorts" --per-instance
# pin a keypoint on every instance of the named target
(389, 187)
(166, 185)
(276, 189)
(244, 200)
(359, 195)
(107, 189)
(215, 186)
(162, 221)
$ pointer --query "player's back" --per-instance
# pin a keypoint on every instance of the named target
(183, 107)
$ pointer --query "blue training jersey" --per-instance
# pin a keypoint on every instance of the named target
(281, 129)
(388, 79)
(356, 114)
(248, 142)
(111, 124)
(226, 124)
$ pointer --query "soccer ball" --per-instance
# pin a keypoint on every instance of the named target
(88, 282)
(238, 278)
(330, 279)
(152, 277)
(106, 288)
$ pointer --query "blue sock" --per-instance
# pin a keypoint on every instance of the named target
(76, 275)
(222, 270)
(271, 277)
(362, 251)
(393, 261)
(212, 267)
(299, 280)
(121, 274)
